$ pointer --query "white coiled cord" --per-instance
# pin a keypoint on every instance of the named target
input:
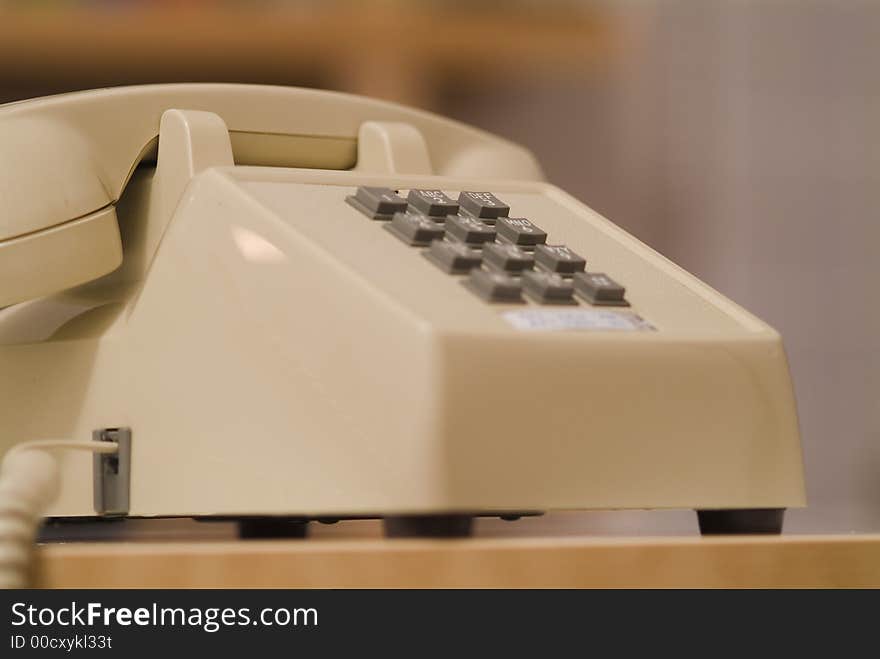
(29, 483)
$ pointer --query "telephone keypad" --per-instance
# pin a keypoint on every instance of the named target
(503, 257)
(519, 231)
(377, 203)
(433, 203)
(507, 258)
(453, 257)
(469, 230)
(415, 228)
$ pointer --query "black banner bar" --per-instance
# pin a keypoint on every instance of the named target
(414, 622)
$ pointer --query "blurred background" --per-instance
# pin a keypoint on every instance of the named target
(741, 139)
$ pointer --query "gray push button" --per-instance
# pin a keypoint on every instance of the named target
(508, 258)
(432, 202)
(547, 288)
(519, 231)
(483, 205)
(494, 286)
(415, 228)
(468, 230)
(454, 258)
(600, 289)
(559, 258)
(377, 203)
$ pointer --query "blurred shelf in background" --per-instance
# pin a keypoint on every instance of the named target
(391, 49)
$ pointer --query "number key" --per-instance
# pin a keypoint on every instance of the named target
(519, 231)
(559, 259)
(469, 230)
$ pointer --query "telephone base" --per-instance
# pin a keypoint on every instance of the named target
(764, 521)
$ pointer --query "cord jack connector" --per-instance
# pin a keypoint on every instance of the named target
(112, 473)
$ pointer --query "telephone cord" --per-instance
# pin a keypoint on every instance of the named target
(29, 483)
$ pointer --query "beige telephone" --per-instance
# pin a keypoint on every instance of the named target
(288, 305)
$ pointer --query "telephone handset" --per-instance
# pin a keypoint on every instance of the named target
(66, 159)
(306, 304)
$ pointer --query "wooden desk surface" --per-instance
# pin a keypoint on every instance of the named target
(744, 562)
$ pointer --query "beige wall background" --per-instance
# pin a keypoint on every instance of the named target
(740, 138)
